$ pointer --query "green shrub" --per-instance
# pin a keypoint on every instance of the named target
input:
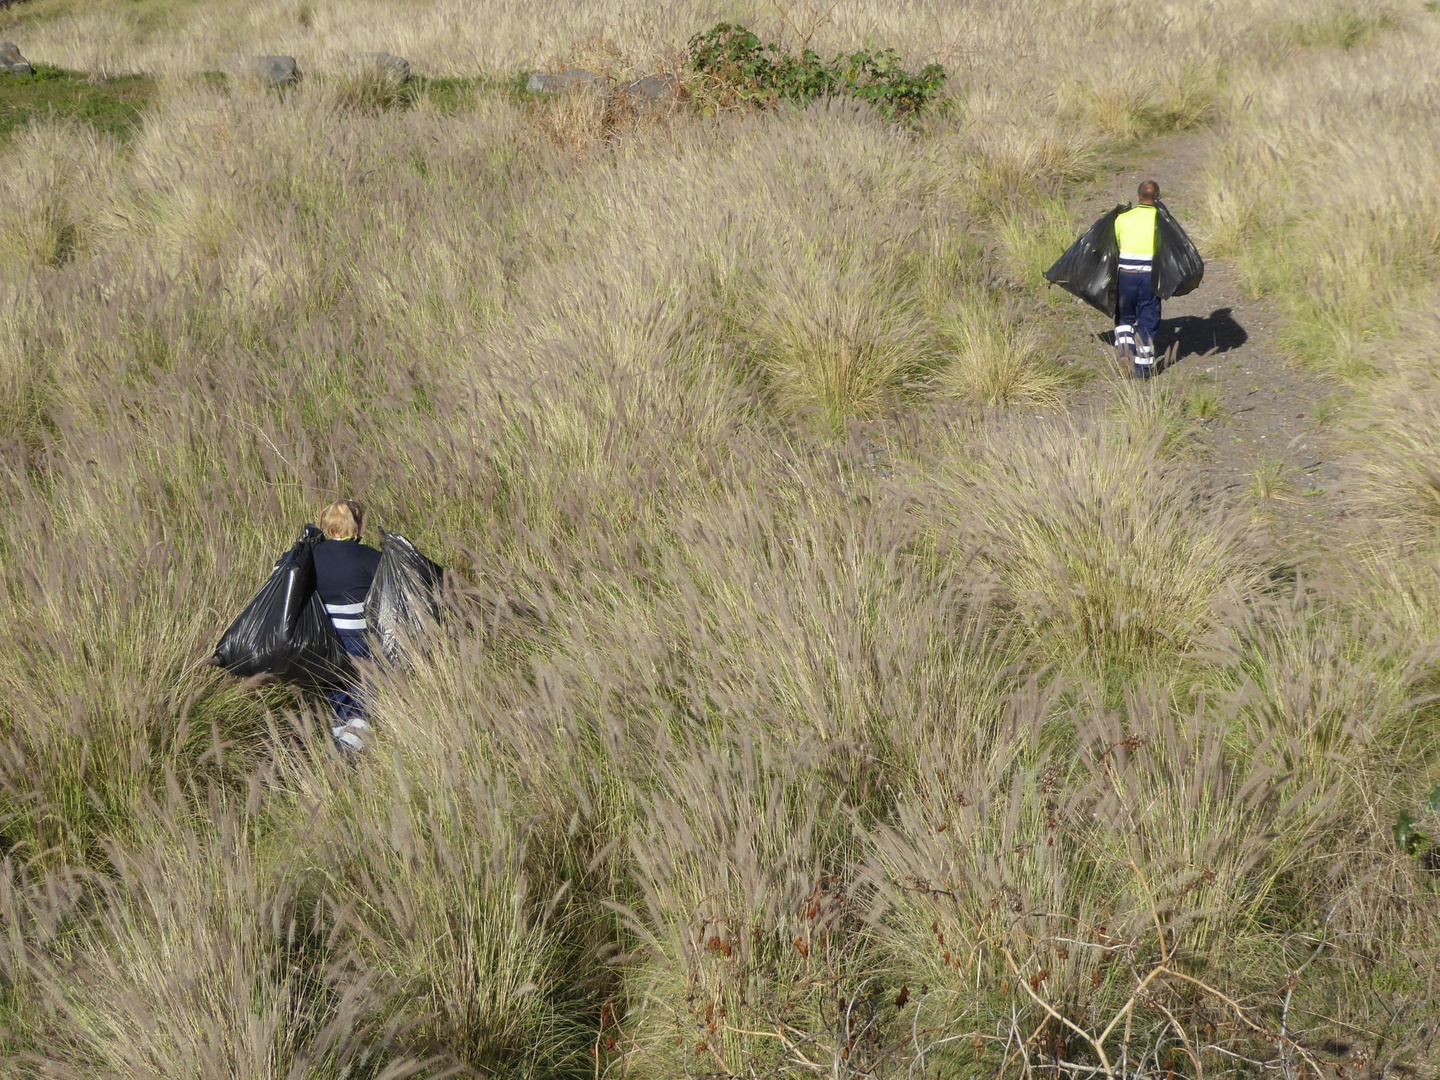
(1413, 835)
(751, 69)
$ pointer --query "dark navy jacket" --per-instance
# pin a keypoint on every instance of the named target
(344, 570)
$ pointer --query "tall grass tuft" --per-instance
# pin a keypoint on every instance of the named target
(443, 914)
(837, 337)
(204, 961)
(1014, 885)
(369, 86)
(996, 359)
(743, 916)
(1398, 475)
(1101, 544)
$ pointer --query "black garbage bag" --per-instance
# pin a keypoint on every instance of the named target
(1090, 267)
(404, 599)
(1178, 266)
(285, 631)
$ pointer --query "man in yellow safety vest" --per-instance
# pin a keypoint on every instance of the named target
(1124, 265)
(1137, 317)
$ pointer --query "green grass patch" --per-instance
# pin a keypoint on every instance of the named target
(372, 91)
(1343, 29)
(1203, 403)
(1270, 478)
(114, 106)
(146, 14)
(451, 95)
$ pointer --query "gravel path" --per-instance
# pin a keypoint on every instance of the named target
(1267, 427)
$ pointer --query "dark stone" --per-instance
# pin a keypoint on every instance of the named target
(574, 79)
(274, 70)
(652, 88)
(396, 69)
(11, 62)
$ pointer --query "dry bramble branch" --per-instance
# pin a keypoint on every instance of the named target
(1148, 983)
(813, 18)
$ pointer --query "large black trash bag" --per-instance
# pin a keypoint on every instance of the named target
(1090, 268)
(1178, 266)
(285, 630)
(404, 599)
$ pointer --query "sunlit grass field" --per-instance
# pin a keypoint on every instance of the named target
(822, 696)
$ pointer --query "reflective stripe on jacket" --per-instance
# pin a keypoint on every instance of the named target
(347, 618)
(344, 570)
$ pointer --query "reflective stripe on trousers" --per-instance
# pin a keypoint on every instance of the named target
(1138, 318)
(346, 618)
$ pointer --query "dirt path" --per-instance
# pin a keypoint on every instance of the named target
(1266, 425)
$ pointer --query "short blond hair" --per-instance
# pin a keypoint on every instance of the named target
(341, 520)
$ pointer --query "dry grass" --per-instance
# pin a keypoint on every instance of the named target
(835, 336)
(1106, 549)
(997, 359)
(1397, 467)
(799, 713)
(450, 35)
(1329, 192)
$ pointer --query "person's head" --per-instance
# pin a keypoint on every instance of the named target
(342, 520)
(1149, 192)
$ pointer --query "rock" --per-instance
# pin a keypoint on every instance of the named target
(11, 62)
(574, 79)
(652, 88)
(647, 90)
(395, 69)
(274, 70)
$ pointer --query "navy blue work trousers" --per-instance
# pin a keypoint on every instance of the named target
(1139, 317)
(348, 704)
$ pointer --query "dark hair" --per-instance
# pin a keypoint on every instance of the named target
(1150, 190)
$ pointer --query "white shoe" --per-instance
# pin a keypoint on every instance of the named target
(349, 740)
(358, 724)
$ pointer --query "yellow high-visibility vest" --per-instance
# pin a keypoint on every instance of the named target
(1135, 229)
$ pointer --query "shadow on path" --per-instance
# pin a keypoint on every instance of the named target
(1194, 335)
(1198, 335)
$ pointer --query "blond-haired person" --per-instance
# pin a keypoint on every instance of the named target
(344, 570)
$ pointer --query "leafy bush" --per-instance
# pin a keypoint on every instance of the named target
(751, 69)
(1413, 835)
